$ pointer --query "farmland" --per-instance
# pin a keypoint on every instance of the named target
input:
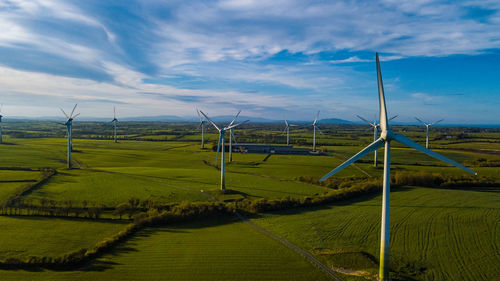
(436, 233)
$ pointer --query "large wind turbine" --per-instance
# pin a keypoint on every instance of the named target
(69, 124)
(427, 126)
(1, 105)
(222, 132)
(287, 129)
(202, 126)
(315, 126)
(387, 135)
(375, 126)
(114, 121)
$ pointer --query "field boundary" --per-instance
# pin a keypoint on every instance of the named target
(292, 246)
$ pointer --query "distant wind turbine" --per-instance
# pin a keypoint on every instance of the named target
(287, 130)
(69, 124)
(202, 127)
(387, 135)
(114, 121)
(231, 137)
(222, 132)
(375, 126)
(1, 105)
(315, 127)
(427, 127)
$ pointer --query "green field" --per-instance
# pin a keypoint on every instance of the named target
(452, 234)
(221, 249)
(437, 234)
(51, 237)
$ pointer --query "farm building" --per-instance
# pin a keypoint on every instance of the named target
(270, 149)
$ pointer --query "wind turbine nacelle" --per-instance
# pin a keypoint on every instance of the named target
(387, 134)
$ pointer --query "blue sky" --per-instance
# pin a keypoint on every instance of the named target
(272, 59)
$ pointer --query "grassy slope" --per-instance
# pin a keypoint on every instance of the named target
(452, 233)
(209, 250)
(26, 236)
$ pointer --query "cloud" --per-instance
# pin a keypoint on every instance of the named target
(350, 60)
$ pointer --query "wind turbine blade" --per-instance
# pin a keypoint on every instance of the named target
(284, 130)
(236, 125)
(365, 120)
(76, 115)
(210, 120)
(218, 148)
(286, 123)
(381, 97)
(64, 113)
(406, 141)
(393, 117)
(73, 111)
(197, 111)
(114, 112)
(421, 121)
(373, 146)
(234, 138)
(235, 117)
(437, 122)
(316, 120)
(317, 128)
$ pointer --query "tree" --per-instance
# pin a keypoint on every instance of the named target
(121, 209)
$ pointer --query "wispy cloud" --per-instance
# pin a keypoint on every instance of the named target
(228, 54)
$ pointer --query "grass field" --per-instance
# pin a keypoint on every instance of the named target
(450, 234)
(437, 234)
(10, 181)
(219, 249)
(51, 237)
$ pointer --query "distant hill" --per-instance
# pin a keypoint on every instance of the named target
(334, 121)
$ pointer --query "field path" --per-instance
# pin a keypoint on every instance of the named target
(294, 247)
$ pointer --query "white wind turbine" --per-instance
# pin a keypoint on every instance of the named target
(427, 127)
(114, 121)
(69, 124)
(231, 137)
(222, 133)
(315, 127)
(387, 135)
(1, 105)
(375, 126)
(287, 129)
(202, 127)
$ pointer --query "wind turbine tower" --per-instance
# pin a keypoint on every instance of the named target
(202, 126)
(375, 126)
(386, 136)
(1, 105)
(114, 121)
(222, 133)
(315, 127)
(427, 127)
(69, 124)
(287, 129)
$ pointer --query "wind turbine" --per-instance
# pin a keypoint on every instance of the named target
(287, 129)
(69, 124)
(222, 132)
(375, 126)
(114, 121)
(427, 126)
(202, 126)
(315, 126)
(1, 105)
(231, 136)
(386, 136)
